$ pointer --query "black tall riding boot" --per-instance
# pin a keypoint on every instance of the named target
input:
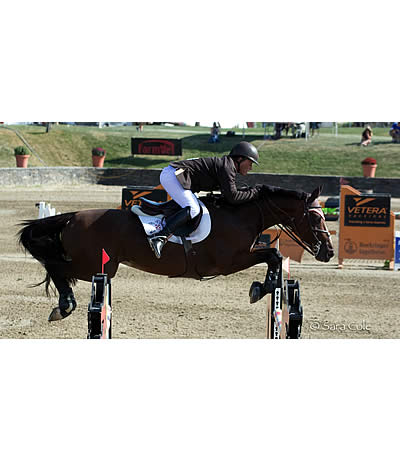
(159, 239)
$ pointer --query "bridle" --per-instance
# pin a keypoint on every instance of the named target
(317, 209)
(289, 227)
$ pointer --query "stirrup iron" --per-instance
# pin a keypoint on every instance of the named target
(158, 240)
(157, 243)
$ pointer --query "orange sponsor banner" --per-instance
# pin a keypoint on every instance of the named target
(133, 195)
(366, 229)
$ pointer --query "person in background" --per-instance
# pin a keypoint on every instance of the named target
(215, 133)
(366, 136)
(395, 132)
(314, 126)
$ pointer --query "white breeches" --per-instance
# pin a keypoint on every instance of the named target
(184, 197)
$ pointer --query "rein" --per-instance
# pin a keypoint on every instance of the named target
(263, 225)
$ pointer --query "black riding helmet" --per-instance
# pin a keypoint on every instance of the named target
(246, 150)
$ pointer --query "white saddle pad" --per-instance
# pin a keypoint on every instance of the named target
(152, 224)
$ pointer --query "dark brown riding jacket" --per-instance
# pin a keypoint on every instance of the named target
(210, 174)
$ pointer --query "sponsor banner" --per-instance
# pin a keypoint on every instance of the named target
(397, 251)
(367, 249)
(160, 147)
(133, 195)
(367, 210)
(366, 228)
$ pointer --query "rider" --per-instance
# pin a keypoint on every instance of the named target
(181, 178)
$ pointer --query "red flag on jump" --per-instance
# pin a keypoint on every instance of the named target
(104, 260)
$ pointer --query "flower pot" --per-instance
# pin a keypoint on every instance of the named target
(369, 169)
(98, 161)
(22, 160)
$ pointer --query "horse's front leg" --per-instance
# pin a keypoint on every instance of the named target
(273, 258)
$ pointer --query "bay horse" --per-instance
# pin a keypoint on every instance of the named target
(70, 245)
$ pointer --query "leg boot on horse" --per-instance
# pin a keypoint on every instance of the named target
(66, 300)
(66, 305)
(274, 260)
(159, 239)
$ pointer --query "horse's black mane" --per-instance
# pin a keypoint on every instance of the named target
(268, 190)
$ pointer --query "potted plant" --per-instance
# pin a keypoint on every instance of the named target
(98, 156)
(369, 167)
(22, 155)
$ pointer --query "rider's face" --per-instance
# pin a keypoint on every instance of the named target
(245, 166)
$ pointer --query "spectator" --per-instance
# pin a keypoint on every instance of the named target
(215, 130)
(279, 127)
(278, 130)
(298, 130)
(366, 137)
(395, 132)
(314, 126)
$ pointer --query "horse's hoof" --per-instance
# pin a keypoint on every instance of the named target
(55, 315)
(256, 292)
(58, 314)
(67, 304)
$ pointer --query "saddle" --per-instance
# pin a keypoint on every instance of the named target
(166, 209)
(150, 208)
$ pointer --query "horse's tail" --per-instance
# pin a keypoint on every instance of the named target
(41, 238)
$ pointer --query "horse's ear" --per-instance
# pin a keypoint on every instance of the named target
(315, 194)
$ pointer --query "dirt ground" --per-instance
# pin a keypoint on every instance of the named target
(359, 301)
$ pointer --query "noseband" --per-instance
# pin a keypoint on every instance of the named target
(289, 225)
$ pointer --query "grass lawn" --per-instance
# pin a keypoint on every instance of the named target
(324, 154)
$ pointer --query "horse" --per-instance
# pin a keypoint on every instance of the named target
(70, 245)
